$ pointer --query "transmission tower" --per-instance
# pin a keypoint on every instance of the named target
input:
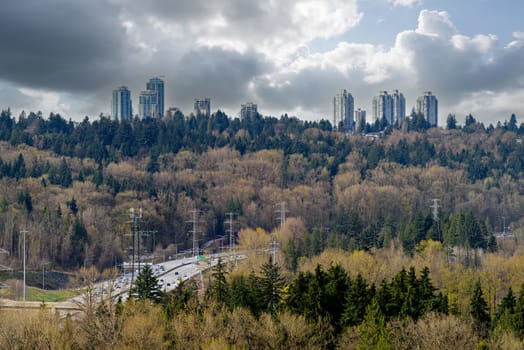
(230, 230)
(282, 217)
(194, 221)
(435, 207)
(282, 213)
(135, 216)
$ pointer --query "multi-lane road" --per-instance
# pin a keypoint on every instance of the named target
(168, 273)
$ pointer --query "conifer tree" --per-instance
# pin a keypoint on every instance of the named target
(356, 302)
(146, 285)
(479, 310)
(373, 332)
(271, 283)
(219, 289)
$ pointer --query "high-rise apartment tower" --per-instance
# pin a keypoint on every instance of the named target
(248, 110)
(343, 109)
(202, 106)
(148, 104)
(156, 84)
(121, 106)
(427, 105)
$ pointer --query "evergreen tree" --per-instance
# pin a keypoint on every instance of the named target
(66, 179)
(504, 318)
(356, 302)
(146, 285)
(519, 313)
(24, 199)
(73, 206)
(179, 299)
(335, 290)
(373, 332)
(271, 283)
(479, 310)
(451, 122)
(219, 290)
(19, 169)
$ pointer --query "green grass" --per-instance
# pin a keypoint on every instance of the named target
(36, 294)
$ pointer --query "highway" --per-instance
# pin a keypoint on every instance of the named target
(168, 273)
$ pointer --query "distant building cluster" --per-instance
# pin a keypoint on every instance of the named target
(391, 107)
(388, 106)
(151, 103)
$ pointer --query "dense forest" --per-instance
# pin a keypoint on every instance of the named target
(71, 185)
(388, 238)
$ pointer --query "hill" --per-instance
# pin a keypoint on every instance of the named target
(72, 185)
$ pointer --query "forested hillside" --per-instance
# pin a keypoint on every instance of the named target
(72, 185)
(362, 260)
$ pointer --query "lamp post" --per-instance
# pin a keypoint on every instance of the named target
(23, 250)
(43, 274)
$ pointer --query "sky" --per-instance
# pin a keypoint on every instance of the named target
(287, 56)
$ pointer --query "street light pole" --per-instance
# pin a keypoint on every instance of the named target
(24, 233)
(43, 274)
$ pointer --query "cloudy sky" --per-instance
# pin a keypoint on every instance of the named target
(288, 56)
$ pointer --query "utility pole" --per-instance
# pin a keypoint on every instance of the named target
(24, 232)
(43, 274)
(230, 222)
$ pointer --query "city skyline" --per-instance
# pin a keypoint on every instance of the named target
(288, 57)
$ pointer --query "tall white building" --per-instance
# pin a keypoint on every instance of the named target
(343, 109)
(398, 104)
(427, 105)
(382, 107)
(392, 106)
(248, 110)
(202, 106)
(360, 120)
(121, 103)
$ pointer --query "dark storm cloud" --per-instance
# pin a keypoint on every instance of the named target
(220, 74)
(67, 56)
(58, 44)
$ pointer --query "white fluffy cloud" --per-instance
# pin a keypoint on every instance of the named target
(468, 74)
(407, 3)
(289, 56)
